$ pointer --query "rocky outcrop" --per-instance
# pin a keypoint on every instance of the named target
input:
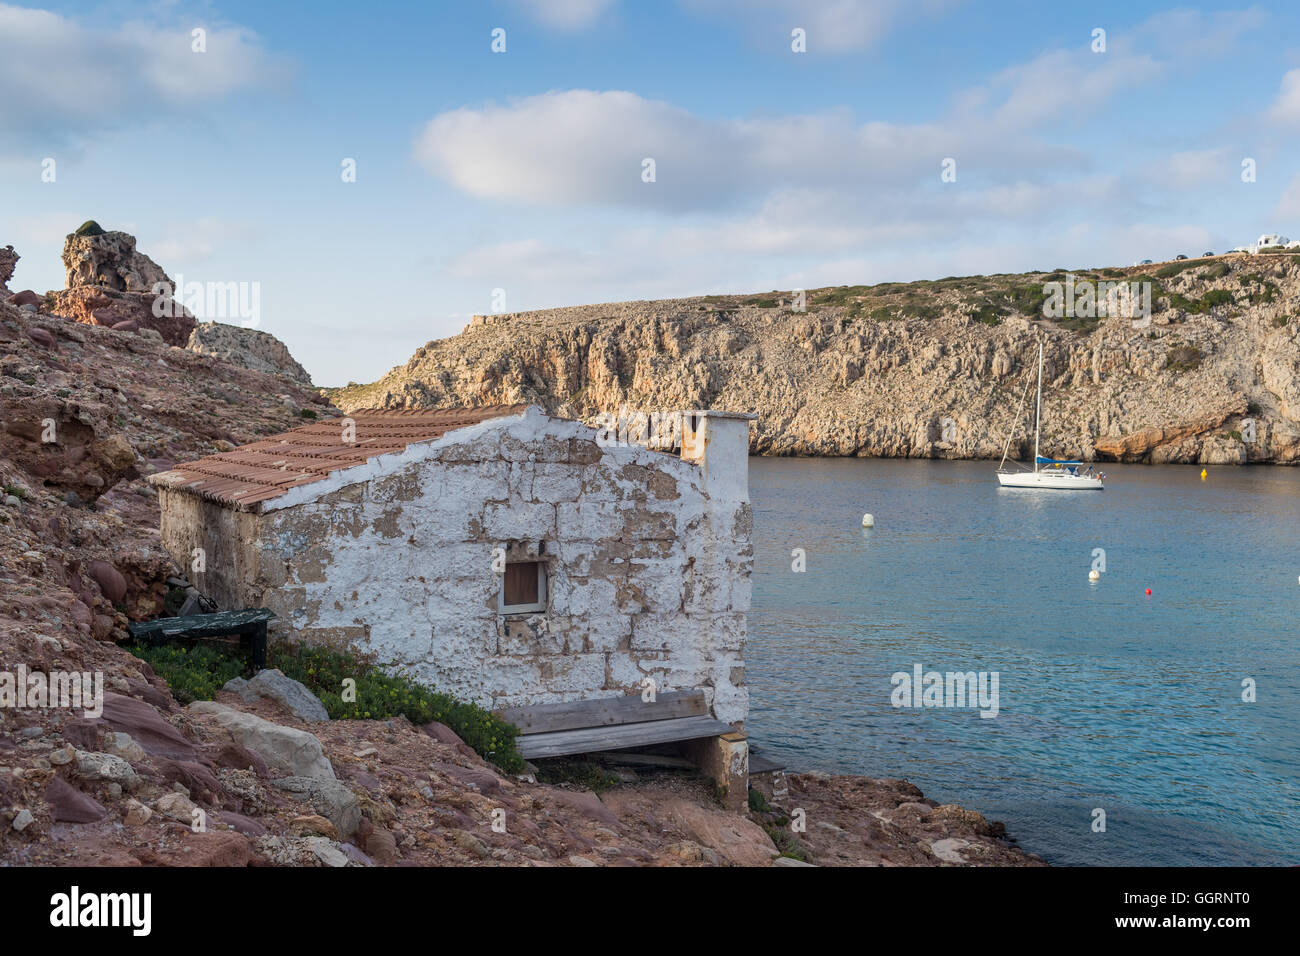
(919, 370)
(108, 260)
(8, 261)
(109, 283)
(248, 348)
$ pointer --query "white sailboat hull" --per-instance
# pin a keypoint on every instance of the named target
(1046, 479)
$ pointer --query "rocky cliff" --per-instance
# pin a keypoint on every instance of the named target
(248, 348)
(924, 369)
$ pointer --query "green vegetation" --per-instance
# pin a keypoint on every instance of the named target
(306, 413)
(198, 671)
(89, 228)
(1216, 271)
(581, 773)
(1184, 358)
(1215, 297)
(758, 801)
(195, 672)
(1174, 268)
(844, 295)
(17, 491)
(786, 842)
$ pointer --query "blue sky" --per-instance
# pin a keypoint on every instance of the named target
(522, 170)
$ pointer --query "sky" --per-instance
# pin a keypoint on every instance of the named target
(909, 139)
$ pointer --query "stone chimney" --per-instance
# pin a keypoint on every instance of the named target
(719, 443)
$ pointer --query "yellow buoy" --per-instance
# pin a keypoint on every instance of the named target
(1094, 575)
(1202, 474)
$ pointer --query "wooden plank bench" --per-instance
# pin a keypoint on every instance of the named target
(612, 723)
(249, 624)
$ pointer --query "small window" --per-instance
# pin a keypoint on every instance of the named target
(523, 588)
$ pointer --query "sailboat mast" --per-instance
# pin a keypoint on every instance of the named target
(1038, 413)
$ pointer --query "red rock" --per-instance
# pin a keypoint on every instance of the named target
(196, 778)
(214, 848)
(111, 583)
(444, 734)
(485, 780)
(26, 297)
(69, 805)
(586, 803)
(147, 727)
(81, 614)
(234, 757)
(43, 338)
(241, 823)
(381, 846)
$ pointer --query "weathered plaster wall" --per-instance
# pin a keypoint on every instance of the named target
(229, 565)
(648, 575)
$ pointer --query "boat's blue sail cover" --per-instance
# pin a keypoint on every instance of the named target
(1053, 461)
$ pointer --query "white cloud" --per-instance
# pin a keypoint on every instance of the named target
(64, 81)
(832, 26)
(1286, 108)
(566, 14)
(588, 147)
(1289, 205)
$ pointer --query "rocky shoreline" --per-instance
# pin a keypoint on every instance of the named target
(80, 557)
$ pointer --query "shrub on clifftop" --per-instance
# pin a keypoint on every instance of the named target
(89, 228)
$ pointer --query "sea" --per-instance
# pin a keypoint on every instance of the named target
(1129, 729)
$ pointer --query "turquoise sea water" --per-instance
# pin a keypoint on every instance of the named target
(1108, 698)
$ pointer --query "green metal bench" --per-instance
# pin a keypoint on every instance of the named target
(249, 625)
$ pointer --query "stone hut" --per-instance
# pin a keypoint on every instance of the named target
(500, 554)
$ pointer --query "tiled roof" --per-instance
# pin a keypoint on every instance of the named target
(268, 468)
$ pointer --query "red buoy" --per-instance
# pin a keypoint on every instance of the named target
(1148, 592)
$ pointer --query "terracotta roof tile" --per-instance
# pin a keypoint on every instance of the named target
(269, 467)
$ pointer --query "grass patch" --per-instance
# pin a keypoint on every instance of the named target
(579, 773)
(786, 842)
(16, 491)
(1216, 271)
(1185, 358)
(193, 672)
(758, 801)
(198, 671)
(1174, 268)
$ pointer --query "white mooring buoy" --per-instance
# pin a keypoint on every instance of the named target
(868, 520)
(1094, 575)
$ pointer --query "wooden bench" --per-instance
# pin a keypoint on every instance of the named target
(618, 723)
(612, 723)
(249, 624)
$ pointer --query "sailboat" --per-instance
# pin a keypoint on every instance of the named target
(1048, 472)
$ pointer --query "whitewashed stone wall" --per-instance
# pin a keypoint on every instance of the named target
(648, 574)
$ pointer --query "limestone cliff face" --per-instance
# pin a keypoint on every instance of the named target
(928, 369)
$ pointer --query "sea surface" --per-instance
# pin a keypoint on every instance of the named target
(1109, 699)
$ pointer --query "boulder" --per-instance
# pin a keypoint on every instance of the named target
(329, 798)
(70, 805)
(26, 297)
(290, 751)
(111, 583)
(106, 768)
(146, 726)
(739, 841)
(285, 691)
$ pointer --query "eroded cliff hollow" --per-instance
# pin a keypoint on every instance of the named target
(924, 369)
